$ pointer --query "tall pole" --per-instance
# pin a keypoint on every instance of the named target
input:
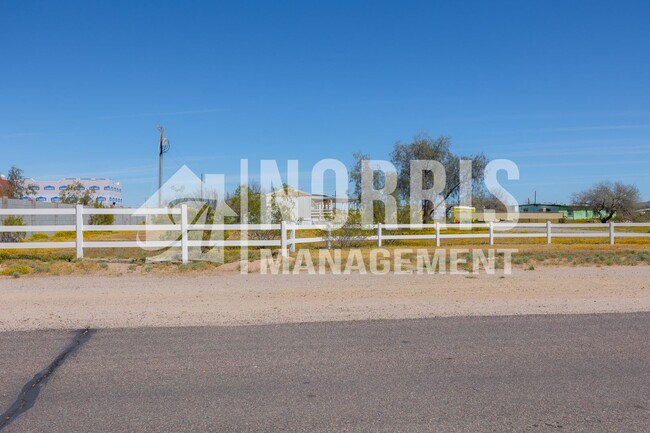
(164, 147)
(160, 166)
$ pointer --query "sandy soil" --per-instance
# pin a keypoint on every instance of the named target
(154, 300)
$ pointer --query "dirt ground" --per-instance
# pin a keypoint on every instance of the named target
(57, 302)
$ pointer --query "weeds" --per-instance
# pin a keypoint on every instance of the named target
(18, 269)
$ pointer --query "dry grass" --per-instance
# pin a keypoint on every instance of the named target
(533, 252)
(529, 257)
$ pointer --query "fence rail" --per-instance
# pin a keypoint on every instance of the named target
(288, 239)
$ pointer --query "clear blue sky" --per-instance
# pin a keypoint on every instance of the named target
(560, 87)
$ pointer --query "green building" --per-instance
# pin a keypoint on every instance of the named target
(571, 212)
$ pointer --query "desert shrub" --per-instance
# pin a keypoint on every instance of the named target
(101, 220)
(12, 236)
(351, 234)
(39, 237)
(41, 269)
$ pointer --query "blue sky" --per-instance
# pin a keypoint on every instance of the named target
(561, 88)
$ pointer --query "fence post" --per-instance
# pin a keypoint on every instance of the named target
(491, 232)
(79, 224)
(283, 239)
(548, 232)
(328, 244)
(437, 234)
(378, 234)
(292, 247)
(611, 233)
(184, 250)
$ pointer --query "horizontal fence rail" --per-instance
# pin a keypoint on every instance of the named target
(287, 232)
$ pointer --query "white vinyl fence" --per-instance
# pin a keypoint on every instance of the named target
(288, 239)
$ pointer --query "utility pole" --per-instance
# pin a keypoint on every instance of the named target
(164, 147)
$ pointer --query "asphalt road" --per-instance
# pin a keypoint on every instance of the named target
(527, 373)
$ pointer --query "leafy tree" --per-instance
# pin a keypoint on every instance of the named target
(254, 215)
(355, 172)
(76, 193)
(281, 205)
(18, 187)
(280, 209)
(378, 182)
(423, 147)
(607, 199)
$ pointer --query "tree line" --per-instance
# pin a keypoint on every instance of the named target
(606, 199)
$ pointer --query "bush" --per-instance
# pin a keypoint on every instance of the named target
(12, 236)
(41, 269)
(101, 220)
(351, 234)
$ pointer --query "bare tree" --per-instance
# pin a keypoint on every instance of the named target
(607, 199)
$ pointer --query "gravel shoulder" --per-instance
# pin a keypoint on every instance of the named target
(71, 302)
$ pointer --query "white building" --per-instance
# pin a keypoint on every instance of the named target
(105, 191)
(308, 208)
